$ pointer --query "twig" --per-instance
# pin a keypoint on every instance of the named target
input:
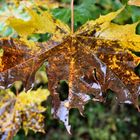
(72, 16)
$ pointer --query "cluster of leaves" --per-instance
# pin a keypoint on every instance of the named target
(110, 64)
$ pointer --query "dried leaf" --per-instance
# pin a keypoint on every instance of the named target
(23, 110)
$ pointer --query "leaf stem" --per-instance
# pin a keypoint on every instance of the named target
(72, 16)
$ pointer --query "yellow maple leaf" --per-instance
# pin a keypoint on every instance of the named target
(24, 109)
(39, 23)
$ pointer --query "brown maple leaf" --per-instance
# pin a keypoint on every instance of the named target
(97, 57)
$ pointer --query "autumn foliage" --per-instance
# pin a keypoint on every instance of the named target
(97, 57)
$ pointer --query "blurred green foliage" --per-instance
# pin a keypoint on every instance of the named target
(108, 121)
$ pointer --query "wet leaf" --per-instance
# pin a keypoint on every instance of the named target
(23, 63)
(97, 57)
(21, 111)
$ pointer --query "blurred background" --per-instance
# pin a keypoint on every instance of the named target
(101, 121)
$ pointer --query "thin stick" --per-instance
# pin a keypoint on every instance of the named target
(72, 16)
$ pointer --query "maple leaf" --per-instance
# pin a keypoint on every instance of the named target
(23, 110)
(39, 23)
(97, 57)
